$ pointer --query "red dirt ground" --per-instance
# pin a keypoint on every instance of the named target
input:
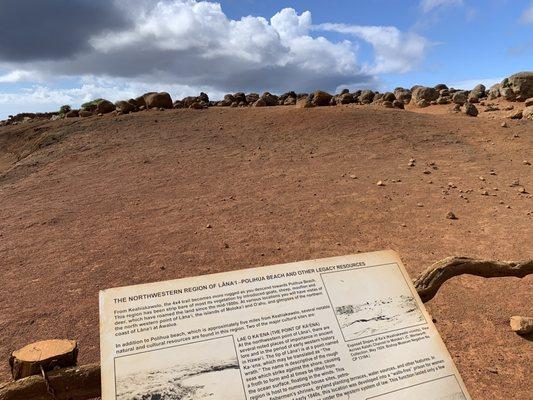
(118, 200)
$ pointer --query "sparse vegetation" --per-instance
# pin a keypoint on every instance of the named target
(64, 109)
(90, 105)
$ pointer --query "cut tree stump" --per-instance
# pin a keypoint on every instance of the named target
(521, 325)
(46, 354)
(74, 383)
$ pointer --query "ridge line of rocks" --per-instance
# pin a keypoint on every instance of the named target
(517, 87)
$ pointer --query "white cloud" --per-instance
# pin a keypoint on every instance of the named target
(394, 51)
(430, 5)
(527, 15)
(187, 45)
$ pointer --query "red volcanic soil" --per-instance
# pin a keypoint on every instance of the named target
(88, 204)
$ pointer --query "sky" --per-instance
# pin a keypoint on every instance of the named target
(59, 52)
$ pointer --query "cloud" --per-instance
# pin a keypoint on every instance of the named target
(394, 51)
(35, 29)
(430, 5)
(188, 44)
(527, 15)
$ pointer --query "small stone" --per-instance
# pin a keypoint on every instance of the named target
(522, 190)
(514, 183)
(521, 325)
(419, 205)
(525, 162)
(451, 215)
(380, 183)
(412, 162)
(481, 178)
(504, 124)
(426, 171)
(484, 193)
(492, 173)
(208, 226)
(353, 176)
(450, 184)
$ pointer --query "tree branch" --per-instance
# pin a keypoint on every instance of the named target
(430, 281)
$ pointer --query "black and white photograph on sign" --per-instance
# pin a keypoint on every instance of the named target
(196, 371)
(371, 301)
(445, 388)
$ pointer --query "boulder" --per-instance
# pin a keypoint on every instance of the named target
(124, 106)
(104, 107)
(158, 100)
(404, 95)
(260, 103)
(459, 98)
(304, 102)
(289, 101)
(443, 100)
(388, 96)
(516, 114)
(345, 98)
(72, 114)
(344, 91)
(507, 93)
(423, 103)
(252, 98)
(387, 104)
(204, 97)
(494, 91)
(527, 113)
(177, 104)
(424, 93)
(529, 102)
(321, 98)
(440, 87)
(478, 92)
(521, 84)
(85, 113)
(269, 99)
(470, 109)
(366, 96)
(398, 104)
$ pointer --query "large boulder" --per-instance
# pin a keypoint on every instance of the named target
(494, 91)
(260, 103)
(124, 106)
(478, 92)
(345, 98)
(521, 84)
(269, 99)
(424, 93)
(158, 100)
(321, 98)
(304, 102)
(388, 96)
(366, 96)
(404, 95)
(104, 107)
(252, 98)
(507, 93)
(459, 98)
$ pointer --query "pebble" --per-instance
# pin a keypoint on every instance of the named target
(525, 162)
(380, 183)
(208, 226)
(522, 190)
(484, 193)
(504, 124)
(419, 205)
(451, 215)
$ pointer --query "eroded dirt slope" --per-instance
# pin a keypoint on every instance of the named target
(114, 201)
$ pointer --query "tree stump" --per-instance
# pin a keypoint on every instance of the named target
(46, 354)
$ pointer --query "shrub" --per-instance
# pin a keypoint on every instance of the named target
(90, 105)
(64, 109)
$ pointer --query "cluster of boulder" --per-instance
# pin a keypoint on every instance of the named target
(518, 87)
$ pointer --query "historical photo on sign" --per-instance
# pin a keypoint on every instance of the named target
(439, 389)
(202, 370)
(370, 301)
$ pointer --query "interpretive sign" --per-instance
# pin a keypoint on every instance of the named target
(349, 327)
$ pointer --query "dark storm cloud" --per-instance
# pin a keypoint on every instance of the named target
(33, 30)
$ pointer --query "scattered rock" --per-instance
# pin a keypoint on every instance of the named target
(380, 183)
(124, 106)
(85, 113)
(387, 104)
(304, 102)
(451, 215)
(260, 103)
(521, 84)
(424, 93)
(72, 114)
(398, 104)
(521, 325)
(528, 113)
(517, 114)
(504, 124)
(529, 102)
(459, 98)
(470, 109)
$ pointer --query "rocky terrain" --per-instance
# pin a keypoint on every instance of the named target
(517, 87)
(94, 202)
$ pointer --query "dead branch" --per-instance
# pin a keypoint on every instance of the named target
(430, 281)
(73, 383)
